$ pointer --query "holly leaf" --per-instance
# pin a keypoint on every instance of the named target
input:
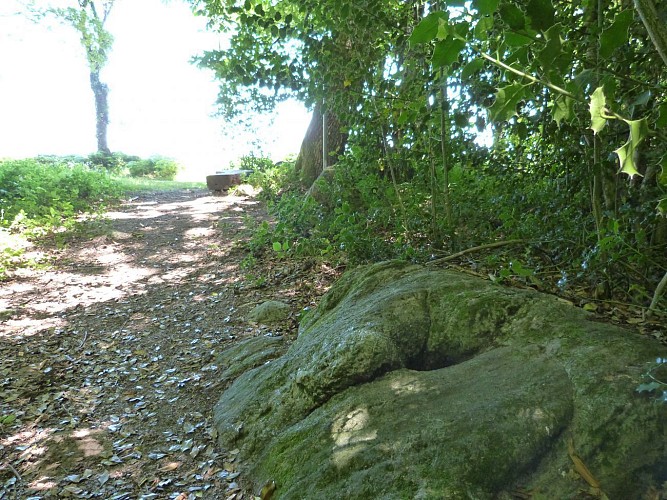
(517, 39)
(427, 29)
(598, 110)
(506, 101)
(447, 52)
(471, 68)
(563, 109)
(485, 7)
(512, 16)
(483, 26)
(626, 153)
(650, 387)
(616, 35)
(541, 13)
(552, 49)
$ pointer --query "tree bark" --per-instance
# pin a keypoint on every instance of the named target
(654, 26)
(309, 163)
(101, 93)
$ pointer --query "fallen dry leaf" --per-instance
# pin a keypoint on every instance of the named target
(170, 466)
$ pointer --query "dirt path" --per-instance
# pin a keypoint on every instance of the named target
(108, 370)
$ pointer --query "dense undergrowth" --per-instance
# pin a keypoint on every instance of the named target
(359, 215)
(51, 199)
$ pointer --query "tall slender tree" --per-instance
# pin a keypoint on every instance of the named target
(88, 18)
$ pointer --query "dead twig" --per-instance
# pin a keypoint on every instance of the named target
(85, 336)
(456, 255)
(11, 468)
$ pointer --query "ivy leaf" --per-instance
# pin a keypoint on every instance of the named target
(513, 16)
(485, 7)
(506, 101)
(598, 110)
(626, 153)
(471, 68)
(447, 52)
(541, 13)
(427, 29)
(616, 35)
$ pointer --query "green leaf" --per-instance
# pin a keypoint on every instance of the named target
(563, 109)
(638, 130)
(650, 387)
(626, 153)
(541, 13)
(661, 122)
(462, 29)
(516, 39)
(483, 26)
(663, 175)
(485, 7)
(616, 35)
(277, 247)
(642, 99)
(662, 206)
(506, 101)
(443, 30)
(461, 120)
(447, 52)
(598, 110)
(552, 49)
(626, 158)
(512, 16)
(427, 29)
(471, 68)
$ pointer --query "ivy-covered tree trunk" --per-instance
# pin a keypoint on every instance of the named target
(101, 93)
(309, 162)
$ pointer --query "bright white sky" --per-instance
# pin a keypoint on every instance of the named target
(159, 103)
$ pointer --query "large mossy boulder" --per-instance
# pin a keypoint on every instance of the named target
(408, 382)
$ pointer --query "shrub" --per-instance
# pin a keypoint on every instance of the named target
(272, 179)
(36, 191)
(254, 163)
(155, 167)
(115, 163)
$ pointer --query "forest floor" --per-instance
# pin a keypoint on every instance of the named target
(109, 375)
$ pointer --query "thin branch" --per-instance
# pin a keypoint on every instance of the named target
(495, 244)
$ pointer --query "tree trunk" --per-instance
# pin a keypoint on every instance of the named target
(101, 93)
(309, 162)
